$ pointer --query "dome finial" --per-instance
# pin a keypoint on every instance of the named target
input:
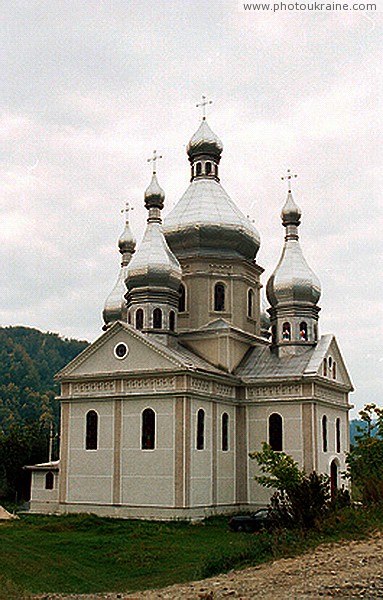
(203, 104)
(153, 160)
(288, 177)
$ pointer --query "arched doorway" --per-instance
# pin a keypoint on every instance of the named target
(333, 477)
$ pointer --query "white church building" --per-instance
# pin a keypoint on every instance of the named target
(160, 413)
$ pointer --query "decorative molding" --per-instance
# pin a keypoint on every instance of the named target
(150, 384)
(224, 390)
(94, 387)
(327, 394)
(200, 385)
(214, 267)
(274, 391)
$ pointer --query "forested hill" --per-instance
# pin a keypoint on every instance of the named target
(29, 360)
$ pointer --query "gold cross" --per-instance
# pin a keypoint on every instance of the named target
(203, 105)
(153, 160)
(126, 211)
(288, 177)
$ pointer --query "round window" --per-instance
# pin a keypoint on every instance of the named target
(121, 350)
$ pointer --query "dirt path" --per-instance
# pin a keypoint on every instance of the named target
(348, 570)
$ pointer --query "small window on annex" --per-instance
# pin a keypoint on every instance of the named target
(303, 335)
(337, 435)
(172, 320)
(91, 437)
(275, 432)
(157, 318)
(250, 303)
(139, 318)
(182, 298)
(286, 332)
(200, 429)
(324, 433)
(49, 481)
(225, 432)
(219, 297)
(148, 429)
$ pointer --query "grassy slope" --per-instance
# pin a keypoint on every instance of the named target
(87, 554)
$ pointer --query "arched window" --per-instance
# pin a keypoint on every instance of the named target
(275, 432)
(157, 318)
(315, 333)
(148, 429)
(219, 297)
(250, 303)
(172, 320)
(198, 169)
(200, 429)
(139, 318)
(91, 438)
(273, 334)
(286, 332)
(216, 170)
(49, 481)
(129, 318)
(303, 336)
(192, 171)
(324, 433)
(337, 435)
(330, 363)
(334, 370)
(208, 168)
(333, 477)
(325, 367)
(225, 432)
(182, 298)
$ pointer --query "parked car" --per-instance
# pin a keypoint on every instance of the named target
(258, 520)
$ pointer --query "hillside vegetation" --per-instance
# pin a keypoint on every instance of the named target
(29, 360)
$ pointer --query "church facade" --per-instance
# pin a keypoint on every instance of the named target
(191, 374)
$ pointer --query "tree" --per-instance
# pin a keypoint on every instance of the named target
(300, 500)
(365, 459)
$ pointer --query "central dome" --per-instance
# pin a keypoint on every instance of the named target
(206, 221)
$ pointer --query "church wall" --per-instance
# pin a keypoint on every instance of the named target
(201, 460)
(326, 457)
(90, 471)
(39, 493)
(147, 476)
(226, 459)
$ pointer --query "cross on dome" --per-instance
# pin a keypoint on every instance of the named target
(126, 211)
(205, 102)
(153, 160)
(288, 177)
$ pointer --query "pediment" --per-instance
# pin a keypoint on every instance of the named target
(328, 350)
(101, 357)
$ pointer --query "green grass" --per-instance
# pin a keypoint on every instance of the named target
(88, 554)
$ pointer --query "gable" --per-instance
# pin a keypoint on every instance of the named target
(101, 357)
(328, 350)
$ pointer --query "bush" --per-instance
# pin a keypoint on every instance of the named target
(300, 500)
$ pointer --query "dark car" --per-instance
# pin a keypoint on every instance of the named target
(250, 523)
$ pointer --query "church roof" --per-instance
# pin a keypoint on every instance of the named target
(206, 220)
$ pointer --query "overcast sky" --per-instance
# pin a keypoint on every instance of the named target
(90, 88)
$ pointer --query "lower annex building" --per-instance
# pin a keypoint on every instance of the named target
(159, 414)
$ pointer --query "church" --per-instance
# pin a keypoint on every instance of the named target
(193, 372)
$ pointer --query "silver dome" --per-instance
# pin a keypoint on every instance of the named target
(293, 280)
(204, 141)
(115, 305)
(206, 221)
(153, 265)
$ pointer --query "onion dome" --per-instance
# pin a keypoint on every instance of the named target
(154, 265)
(205, 221)
(204, 141)
(264, 317)
(115, 305)
(293, 281)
